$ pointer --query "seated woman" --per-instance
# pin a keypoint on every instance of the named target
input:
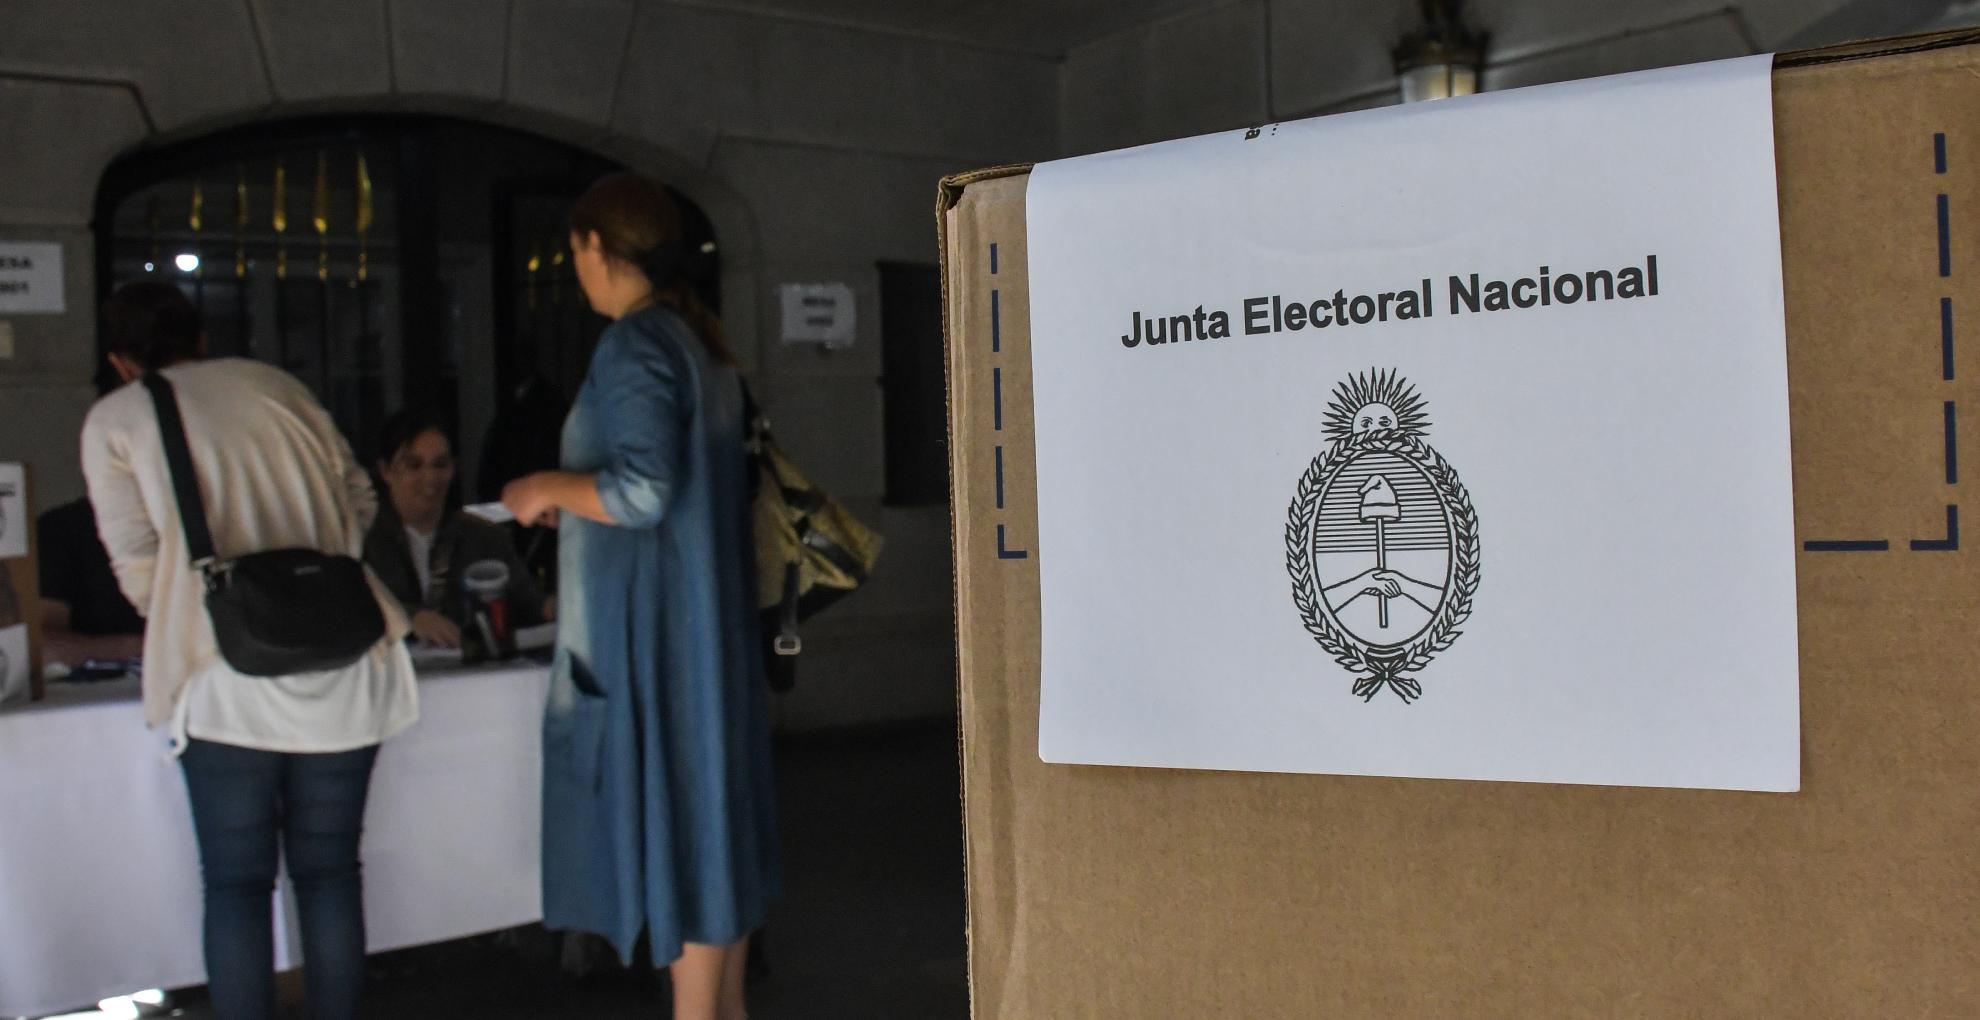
(421, 546)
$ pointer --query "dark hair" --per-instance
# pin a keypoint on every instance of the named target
(639, 224)
(151, 323)
(399, 431)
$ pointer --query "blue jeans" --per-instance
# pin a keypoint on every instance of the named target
(243, 801)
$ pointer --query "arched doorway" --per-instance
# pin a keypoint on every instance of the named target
(386, 260)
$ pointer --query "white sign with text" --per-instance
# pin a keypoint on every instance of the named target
(31, 278)
(16, 668)
(14, 518)
(1447, 440)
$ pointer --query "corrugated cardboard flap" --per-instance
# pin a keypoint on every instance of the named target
(1106, 892)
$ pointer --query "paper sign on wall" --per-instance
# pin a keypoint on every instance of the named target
(14, 518)
(31, 278)
(820, 313)
(15, 667)
(1449, 440)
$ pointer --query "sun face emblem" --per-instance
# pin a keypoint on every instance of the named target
(1381, 539)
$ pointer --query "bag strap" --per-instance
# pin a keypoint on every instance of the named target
(787, 642)
(764, 452)
(178, 457)
(752, 414)
(761, 447)
(754, 428)
(802, 498)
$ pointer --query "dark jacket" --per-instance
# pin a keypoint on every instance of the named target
(75, 570)
(461, 540)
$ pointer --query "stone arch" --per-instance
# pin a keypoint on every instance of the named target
(727, 210)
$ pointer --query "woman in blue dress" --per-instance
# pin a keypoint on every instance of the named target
(657, 809)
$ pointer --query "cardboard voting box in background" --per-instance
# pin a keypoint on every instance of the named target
(20, 639)
(1110, 892)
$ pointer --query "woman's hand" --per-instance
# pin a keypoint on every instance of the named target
(435, 630)
(536, 499)
(533, 498)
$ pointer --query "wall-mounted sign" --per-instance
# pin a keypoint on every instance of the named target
(15, 675)
(14, 520)
(14, 660)
(817, 313)
(31, 278)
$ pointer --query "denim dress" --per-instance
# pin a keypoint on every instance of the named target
(657, 796)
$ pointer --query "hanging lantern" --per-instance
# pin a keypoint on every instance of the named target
(1441, 59)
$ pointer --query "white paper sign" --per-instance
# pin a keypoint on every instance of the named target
(14, 664)
(14, 518)
(30, 278)
(1448, 440)
(821, 313)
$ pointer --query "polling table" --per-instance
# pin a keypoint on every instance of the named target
(99, 872)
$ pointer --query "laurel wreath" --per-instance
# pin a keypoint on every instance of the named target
(1384, 668)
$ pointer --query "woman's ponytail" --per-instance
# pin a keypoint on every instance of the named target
(638, 223)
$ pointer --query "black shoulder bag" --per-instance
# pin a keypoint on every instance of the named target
(275, 613)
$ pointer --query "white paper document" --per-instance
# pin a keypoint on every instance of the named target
(1447, 440)
(31, 278)
(14, 517)
(16, 672)
(493, 513)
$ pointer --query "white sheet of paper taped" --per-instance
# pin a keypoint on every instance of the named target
(15, 674)
(14, 517)
(31, 278)
(1313, 497)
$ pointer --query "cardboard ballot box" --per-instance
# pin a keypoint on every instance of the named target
(20, 644)
(1118, 892)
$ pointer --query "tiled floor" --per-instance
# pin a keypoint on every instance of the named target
(871, 925)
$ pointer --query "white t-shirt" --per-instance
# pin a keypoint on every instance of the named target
(421, 544)
(305, 713)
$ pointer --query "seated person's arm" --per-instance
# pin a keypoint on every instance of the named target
(434, 629)
(60, 644)
(395, 572)
(83, 615)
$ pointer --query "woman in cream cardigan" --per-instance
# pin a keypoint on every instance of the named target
(268, 761)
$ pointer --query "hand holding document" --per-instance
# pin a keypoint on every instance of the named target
(493, 513)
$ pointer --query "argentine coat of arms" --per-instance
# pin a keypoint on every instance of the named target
(1381, 539)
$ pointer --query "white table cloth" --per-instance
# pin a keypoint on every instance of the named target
(99, 874)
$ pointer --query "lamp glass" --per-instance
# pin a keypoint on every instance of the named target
(1438, 81)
